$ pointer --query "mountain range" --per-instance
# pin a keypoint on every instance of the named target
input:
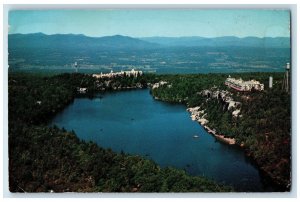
(72, 41)
(119, 42)
(278, 42)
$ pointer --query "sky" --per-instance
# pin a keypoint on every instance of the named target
(148, 23)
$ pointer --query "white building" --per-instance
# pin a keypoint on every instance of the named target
(121, 73)
(240, 85)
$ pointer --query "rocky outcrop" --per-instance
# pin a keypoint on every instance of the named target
(225, 97)
(228, 103)
(159, 84)
(199, 116)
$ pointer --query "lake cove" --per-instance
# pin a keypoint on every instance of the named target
(135, 123)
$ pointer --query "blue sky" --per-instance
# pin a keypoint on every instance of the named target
(159, 22)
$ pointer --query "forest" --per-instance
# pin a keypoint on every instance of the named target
(49, 159)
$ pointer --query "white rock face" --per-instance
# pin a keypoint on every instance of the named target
(236, 112)
(157, 85)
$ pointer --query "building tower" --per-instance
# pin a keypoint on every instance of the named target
(270, 82)
(285, 84)
(75, 66)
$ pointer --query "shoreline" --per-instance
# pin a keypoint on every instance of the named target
(199, 117)
(196, 116)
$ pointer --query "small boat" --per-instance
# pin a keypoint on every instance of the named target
(196, 136)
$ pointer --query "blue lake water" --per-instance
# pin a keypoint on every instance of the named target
(133, 122)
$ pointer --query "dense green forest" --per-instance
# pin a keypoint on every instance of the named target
(49, 159)
(263, 130)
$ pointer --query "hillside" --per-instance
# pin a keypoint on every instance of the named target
(71, 41)
(266, 42)
(263, 127)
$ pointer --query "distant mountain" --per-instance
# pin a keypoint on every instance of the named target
(160, 54)
(277, 42)
(71, 41)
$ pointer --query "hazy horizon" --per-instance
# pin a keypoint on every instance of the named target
(208, 23)
(150, 36)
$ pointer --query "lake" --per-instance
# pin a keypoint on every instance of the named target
(133, 122)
